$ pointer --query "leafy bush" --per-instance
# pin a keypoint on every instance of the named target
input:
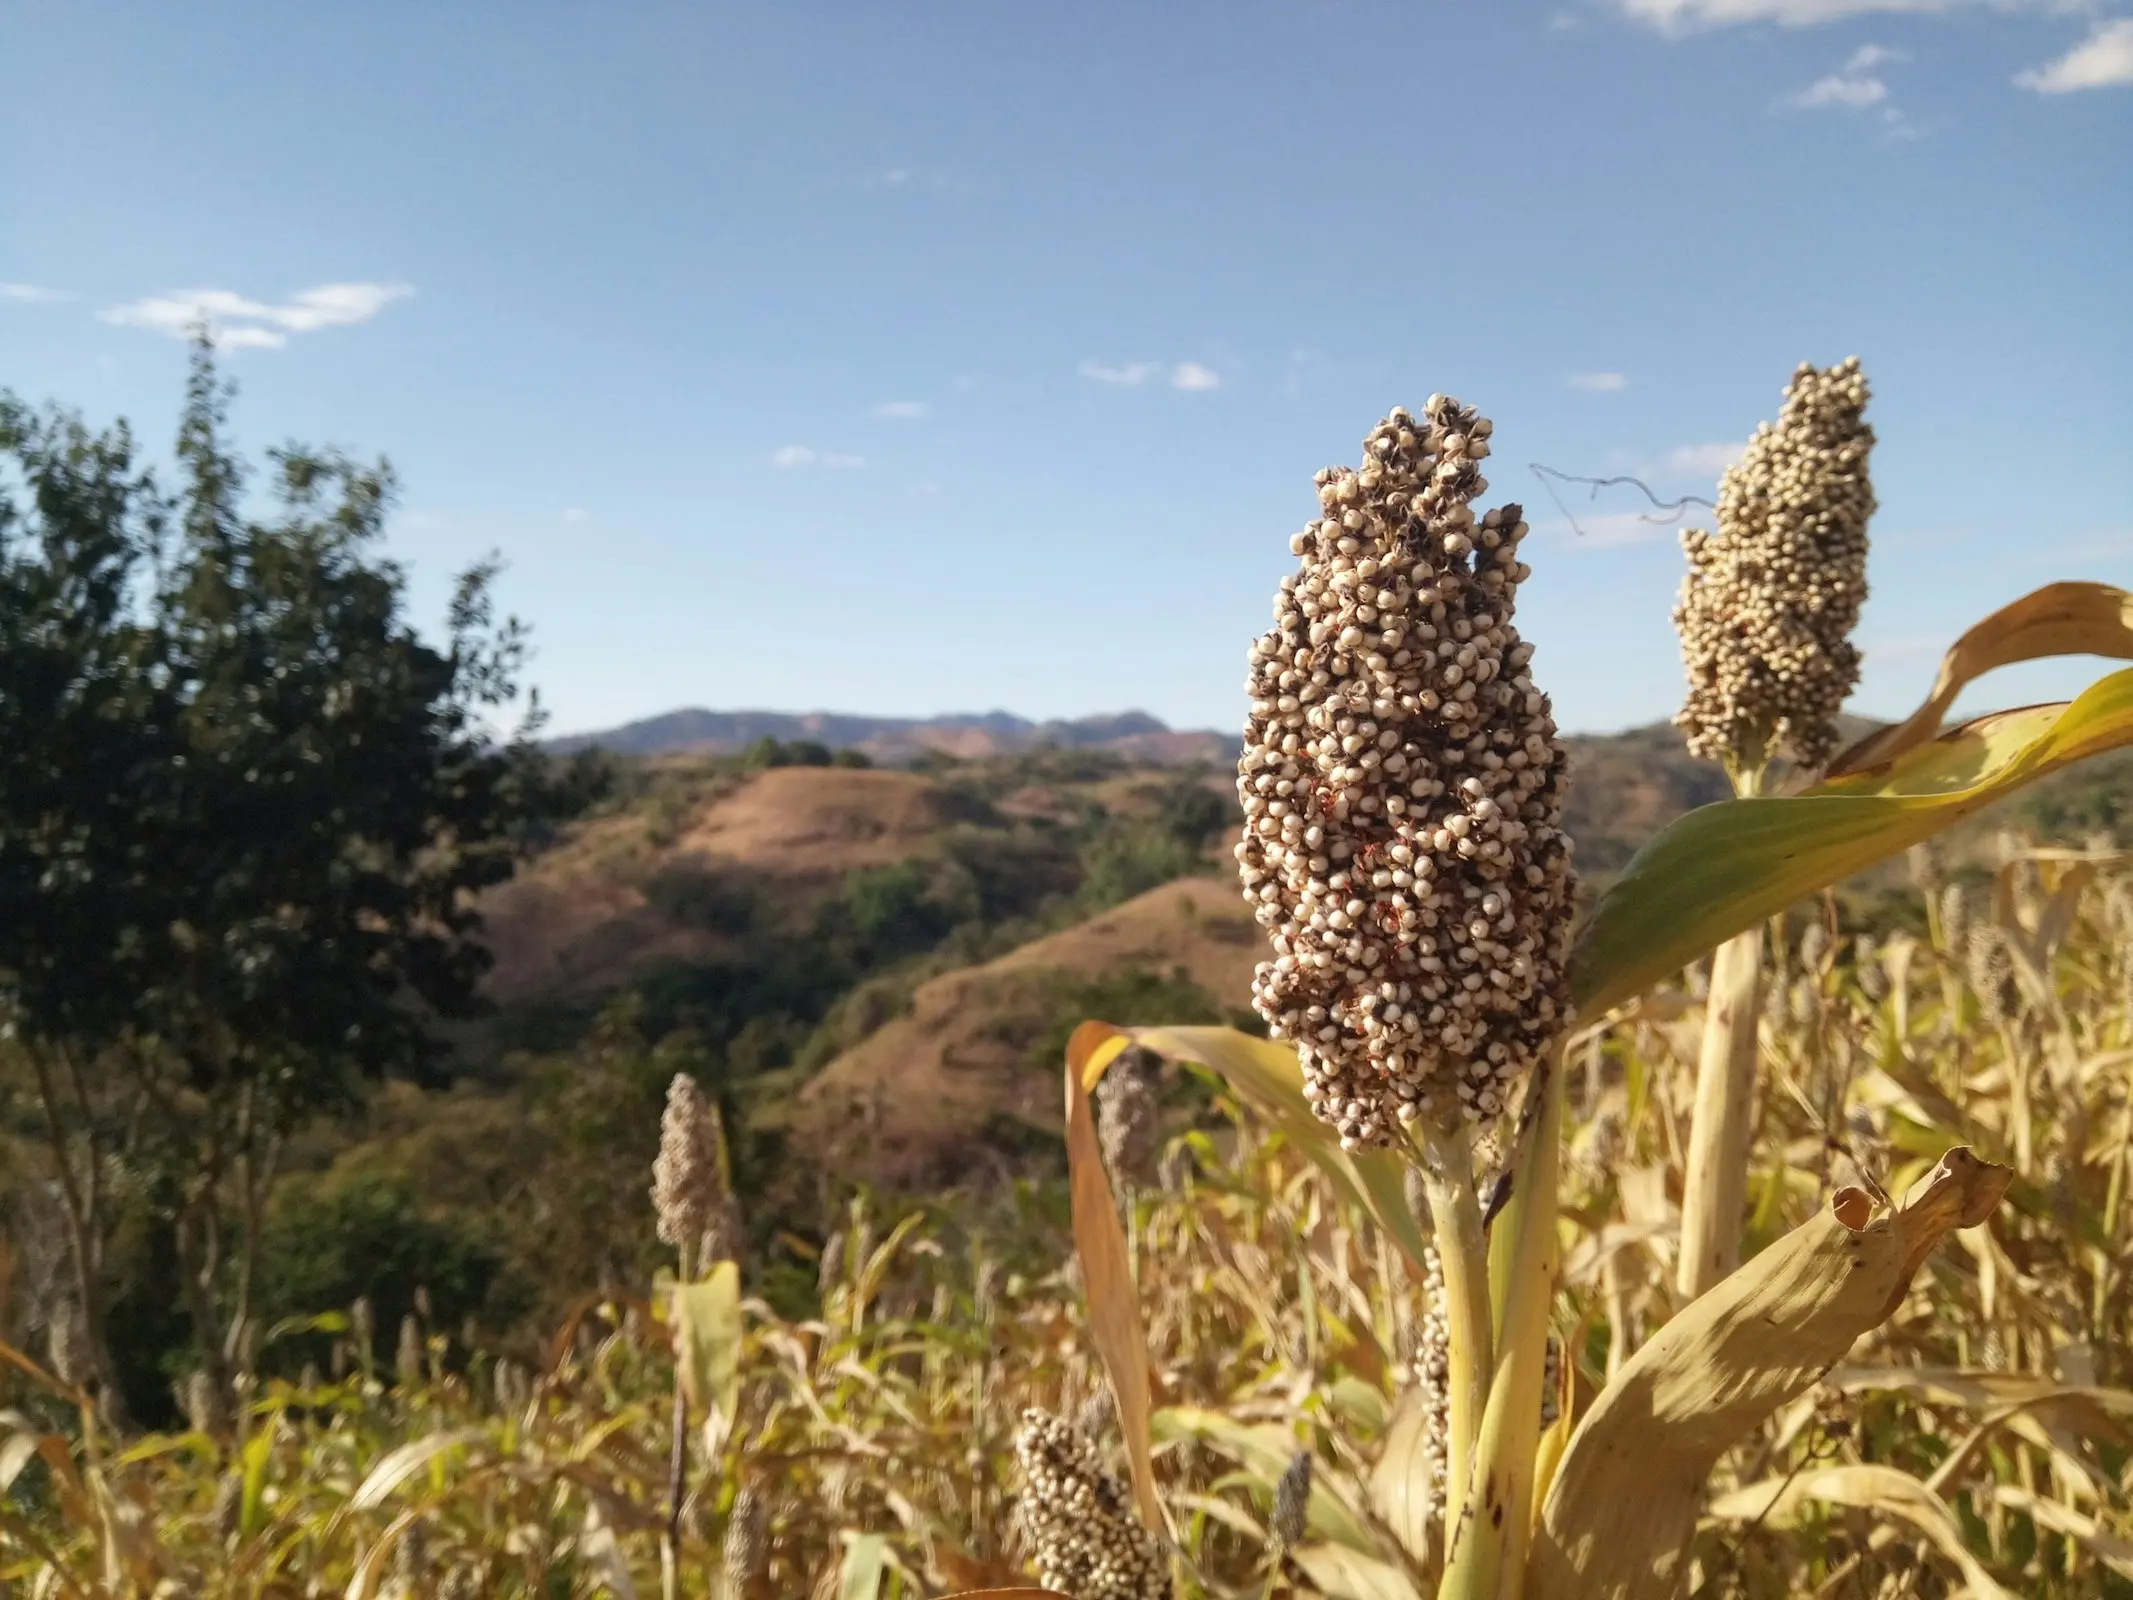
(367, 1236)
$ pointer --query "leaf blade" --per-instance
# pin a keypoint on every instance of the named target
(1115, 1325)
(1723, 868)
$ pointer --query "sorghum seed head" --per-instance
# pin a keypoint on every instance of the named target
(227, 1511)
(1991, 971)
(1873, 975)
(1128, 1117)
(407, 1359)
(1401, 783)
(1080, 1522)
(1097, 1417)
(1924, 861)
(829, 1267)
(1770, 600)
(1433, 1375)
(411, 1558)
(1552, 1382)
(746, 1549)
(686, 1188)
(1954, 918)
(1814, 946)
(1292, 1498)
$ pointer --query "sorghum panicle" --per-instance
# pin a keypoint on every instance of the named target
(1433, 1373)
(1128, 1117)
(686, 1191)
(745, 1551)
(1086, 1539)
(1401, 783)
(1292, 1499)
(1770, 600)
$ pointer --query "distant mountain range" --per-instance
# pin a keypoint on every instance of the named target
(894, 740)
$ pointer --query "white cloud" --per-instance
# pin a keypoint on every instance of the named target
(1840, 89)
(903, 411)
(1869, 56)
(1703, 460)
(801, 455)
(1192, 376)
(574, 513)
(1123, 375)
(2104, 60)
(1599, 382)
(30, 294)
(238, 323)
(1690, 16)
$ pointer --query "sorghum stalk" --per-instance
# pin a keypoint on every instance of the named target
(1765, 618)
(687, 1195)
(1487, 1545)
(1401, 785)
(1462, 1264)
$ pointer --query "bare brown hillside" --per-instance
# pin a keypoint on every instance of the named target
(910, 1102)
(804, 822)
(577, 920)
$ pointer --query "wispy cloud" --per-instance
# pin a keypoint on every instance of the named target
(1692, 16)
(30, 294)
(1612, 530)
(574, 514)
(1122, 374)
(802, 455)
(238, 323)
(1599, 382)
(1855, 86)
(2104, 60)
(1854, 90)
(1703, 460)
(903, 411)
(1187, 375)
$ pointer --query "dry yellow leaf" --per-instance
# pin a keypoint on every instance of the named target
(1756, 1340)
(1115, 1325)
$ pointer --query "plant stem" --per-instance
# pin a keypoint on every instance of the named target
(677, 1469)
(1455, 1212)
(1490, 1528)
(1715, 1184)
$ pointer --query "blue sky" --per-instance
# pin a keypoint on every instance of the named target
(913, 358)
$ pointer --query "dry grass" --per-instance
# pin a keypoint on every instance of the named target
(1278, 1319)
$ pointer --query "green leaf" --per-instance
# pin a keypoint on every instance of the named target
(1723, 868)
(251, 1506)
(707, 1336)
(864, 1561)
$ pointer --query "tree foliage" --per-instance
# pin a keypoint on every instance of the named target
(244, 810)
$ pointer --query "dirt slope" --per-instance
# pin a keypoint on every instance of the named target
(909, 1102)
(576, 920)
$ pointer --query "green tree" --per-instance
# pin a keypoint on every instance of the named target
(84, 725)
(279, 901)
